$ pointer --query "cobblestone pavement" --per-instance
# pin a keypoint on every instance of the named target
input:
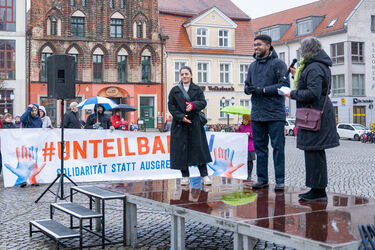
(351, 171)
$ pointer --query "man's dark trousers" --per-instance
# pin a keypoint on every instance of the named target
(262, 131)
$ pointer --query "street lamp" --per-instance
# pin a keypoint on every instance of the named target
(231, 102)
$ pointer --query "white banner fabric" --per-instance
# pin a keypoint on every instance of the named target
(33, 155)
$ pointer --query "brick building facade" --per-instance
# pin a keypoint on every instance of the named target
(117, 47)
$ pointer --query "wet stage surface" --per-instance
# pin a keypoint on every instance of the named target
(332, 222)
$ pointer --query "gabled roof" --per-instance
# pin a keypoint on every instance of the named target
(195, 19)
(329, 9)
(193, 7)
(172, 26)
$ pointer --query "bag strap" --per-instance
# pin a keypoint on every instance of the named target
(325, 100)
(186, 95)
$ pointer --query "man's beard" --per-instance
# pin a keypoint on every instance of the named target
(262, 54)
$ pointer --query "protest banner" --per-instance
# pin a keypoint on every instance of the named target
(33, 155)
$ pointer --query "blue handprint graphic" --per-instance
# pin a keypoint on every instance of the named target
(223, 165)
(26, 161)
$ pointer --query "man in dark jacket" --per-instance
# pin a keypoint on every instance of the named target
(71, 118)
(98, 120)
(31, 118)
(264, 77)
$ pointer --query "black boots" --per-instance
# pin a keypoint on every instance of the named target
(315, 194)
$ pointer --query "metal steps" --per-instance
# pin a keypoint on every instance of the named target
(53, 229)
(57, 231)
(76, 210)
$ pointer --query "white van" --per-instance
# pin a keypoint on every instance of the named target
(289, 126)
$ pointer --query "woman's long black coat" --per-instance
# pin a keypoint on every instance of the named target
(188, 141)
(311, 90)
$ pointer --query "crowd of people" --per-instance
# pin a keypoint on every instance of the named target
(36, 117)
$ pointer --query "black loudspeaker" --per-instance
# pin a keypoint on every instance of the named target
(61, 77)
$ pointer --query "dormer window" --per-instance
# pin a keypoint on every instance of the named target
(274, 33)
(304, 27)
(224, 38)
(202, 37)
(307, 25)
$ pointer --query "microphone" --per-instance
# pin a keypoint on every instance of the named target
(291, 66)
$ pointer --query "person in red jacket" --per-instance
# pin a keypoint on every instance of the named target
(117, 121)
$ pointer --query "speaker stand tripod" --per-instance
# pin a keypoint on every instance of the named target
(61, 175)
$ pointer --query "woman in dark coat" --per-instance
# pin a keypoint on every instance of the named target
(188, 139)
(312, 78)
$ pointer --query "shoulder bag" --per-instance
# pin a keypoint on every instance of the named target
(202, 116)
(309, 118)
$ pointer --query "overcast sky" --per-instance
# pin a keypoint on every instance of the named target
(258, 8)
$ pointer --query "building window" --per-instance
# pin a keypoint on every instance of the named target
(358, 84)
(53, 27)
(337, 53)
(202, 37)
(111, 4)
(203, 72)
(274, 33)
(84, 3)
(98, 68)
(139, 30)
(338, 85)
(222, 105)
(357, 52)
(146, 69)
(282, 56)
(75, 65)
(44, 66)
(78, 26)
(122, 4)
(243, 72)
(8, 15)
(72, 2)
(245, 103)
(373, 23)
(6, 101)
(7, 59)
(223, 38)
(225, 73)
(121, 68)
(177, 67)
(304, 27)
(359, 115)
(117, 27)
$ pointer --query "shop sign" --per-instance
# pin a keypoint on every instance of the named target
(356, 100)
(112, 91)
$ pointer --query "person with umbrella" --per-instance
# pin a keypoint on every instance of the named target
(98, 120)
(117, 121)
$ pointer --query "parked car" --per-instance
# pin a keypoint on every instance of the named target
(289, 126)
(351, 130)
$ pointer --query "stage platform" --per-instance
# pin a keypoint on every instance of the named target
(277, 216)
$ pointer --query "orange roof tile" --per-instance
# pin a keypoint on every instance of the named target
(330, 9)
(193, 7)
(172, 26)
